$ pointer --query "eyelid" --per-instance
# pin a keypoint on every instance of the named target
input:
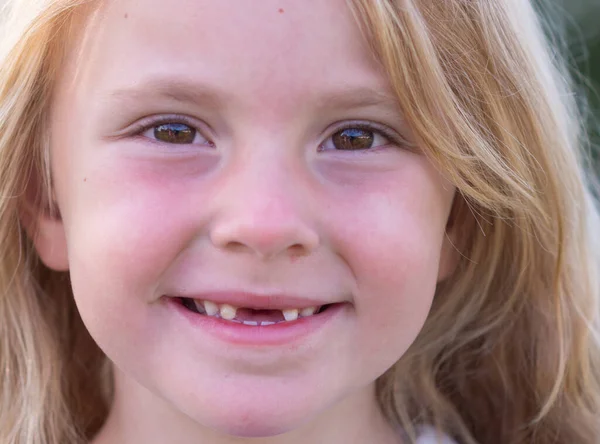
(393, 136)
(146, 123)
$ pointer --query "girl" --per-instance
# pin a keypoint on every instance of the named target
(323, 221)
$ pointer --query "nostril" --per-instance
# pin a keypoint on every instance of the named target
(264, 235)
(236, 247)
(297, 251)
(294, 251)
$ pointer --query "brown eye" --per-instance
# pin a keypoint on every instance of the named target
(178, 133)
(353, 139)
(362, 137)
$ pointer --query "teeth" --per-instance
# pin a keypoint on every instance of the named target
(308, 311)
(199, 306)
(228, 312)
(211, 308)
(291, 314)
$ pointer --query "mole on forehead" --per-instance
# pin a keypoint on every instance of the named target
(368, 87)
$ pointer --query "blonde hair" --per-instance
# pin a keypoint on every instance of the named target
(509, 352)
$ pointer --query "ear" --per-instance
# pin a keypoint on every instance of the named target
(450, 254)
(45, 228)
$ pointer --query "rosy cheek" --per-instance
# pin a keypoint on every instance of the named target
(390, 234)
(134, 217)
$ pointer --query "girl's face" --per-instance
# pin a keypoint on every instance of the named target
(248, 154)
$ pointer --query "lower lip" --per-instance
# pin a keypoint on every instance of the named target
(283, 333)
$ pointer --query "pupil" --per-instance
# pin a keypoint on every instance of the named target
(174, 133)
(353, 139)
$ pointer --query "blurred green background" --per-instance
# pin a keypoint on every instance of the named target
(581, 19)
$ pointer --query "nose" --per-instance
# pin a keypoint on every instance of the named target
(264, 213)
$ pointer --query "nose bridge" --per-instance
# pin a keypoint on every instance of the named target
(263, 209)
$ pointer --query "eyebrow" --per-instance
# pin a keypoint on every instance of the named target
(194, 93)
(185, 92)
(358, 97)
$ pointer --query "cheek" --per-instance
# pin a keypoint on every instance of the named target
(123, 232)
(392, 246)
(132, 217)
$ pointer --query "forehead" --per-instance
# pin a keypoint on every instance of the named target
(244, 48)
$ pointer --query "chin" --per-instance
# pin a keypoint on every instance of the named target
(258, 416)
(260, 429)
(254, 424)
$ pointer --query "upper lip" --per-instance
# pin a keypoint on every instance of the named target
(257, 301)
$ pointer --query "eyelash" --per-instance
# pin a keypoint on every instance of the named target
(152, 122)
(394, 138)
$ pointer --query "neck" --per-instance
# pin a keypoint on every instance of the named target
(137, 415)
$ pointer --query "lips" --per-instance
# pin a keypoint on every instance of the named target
(250, 315)
(257, 301)
(251, 319)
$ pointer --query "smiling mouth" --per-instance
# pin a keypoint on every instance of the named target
(250, 316)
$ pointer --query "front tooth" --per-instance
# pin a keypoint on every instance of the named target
(228, 312)
(308, 311)
(250, 323)
(291, 314)
(211, 308)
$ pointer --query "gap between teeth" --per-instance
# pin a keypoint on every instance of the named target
(228, 312)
